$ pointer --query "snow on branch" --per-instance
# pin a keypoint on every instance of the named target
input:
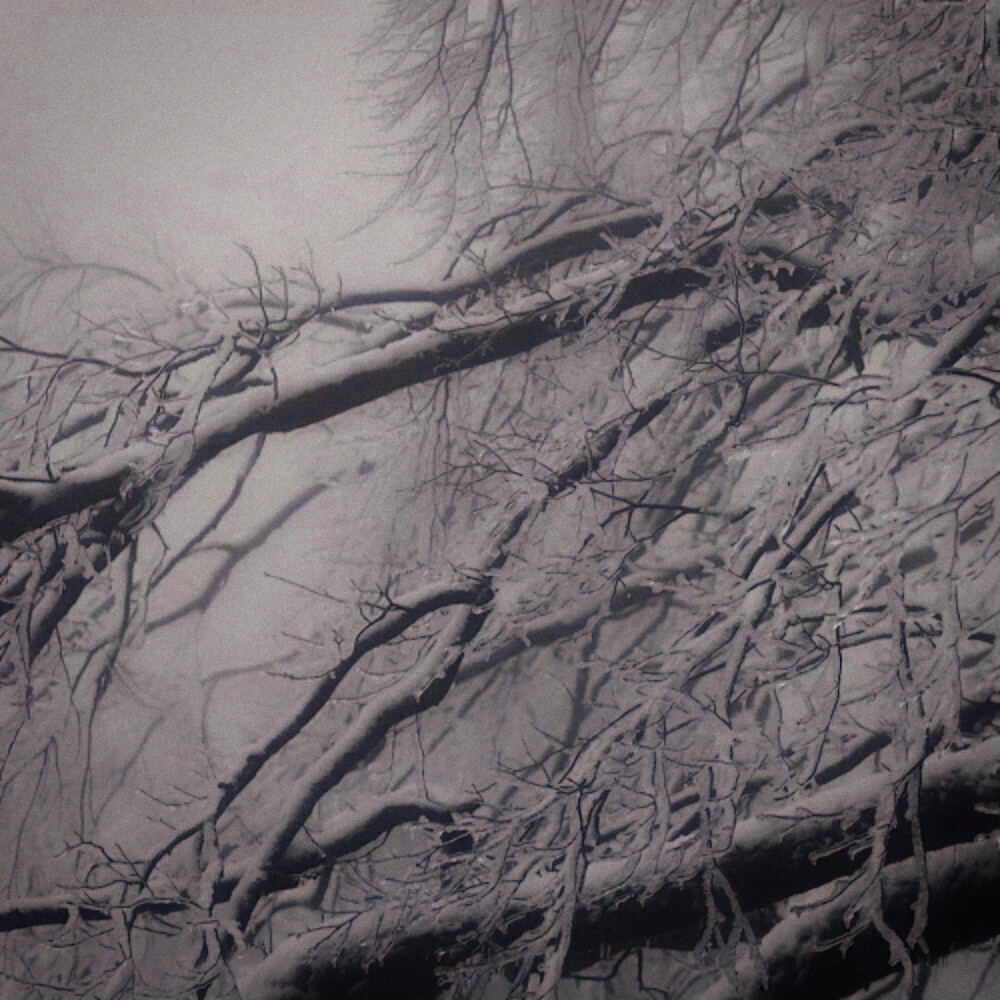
(807, 842)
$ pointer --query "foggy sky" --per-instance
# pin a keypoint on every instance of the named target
(171, 130)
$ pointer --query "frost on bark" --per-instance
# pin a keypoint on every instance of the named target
(681, 637)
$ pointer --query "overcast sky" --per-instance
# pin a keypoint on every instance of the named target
(177, 127)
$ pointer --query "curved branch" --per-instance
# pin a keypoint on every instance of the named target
(302, 396)
(351, 832)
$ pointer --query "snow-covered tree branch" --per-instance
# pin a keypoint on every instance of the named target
(614, 609)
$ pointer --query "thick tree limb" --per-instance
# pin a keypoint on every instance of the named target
(16, 914)
(809, 842)
(807, 952)
(302, 396)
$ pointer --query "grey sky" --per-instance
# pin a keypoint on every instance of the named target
(176, 128)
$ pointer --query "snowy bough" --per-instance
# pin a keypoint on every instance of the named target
(642, 636)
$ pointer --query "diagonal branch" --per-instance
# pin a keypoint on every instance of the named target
(804, 843)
